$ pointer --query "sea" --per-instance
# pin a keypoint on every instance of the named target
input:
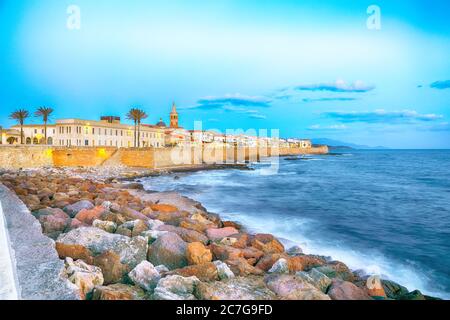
(384, 212)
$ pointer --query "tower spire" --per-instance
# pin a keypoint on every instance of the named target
(174, 116)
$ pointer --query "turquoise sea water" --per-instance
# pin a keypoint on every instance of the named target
(385, 212)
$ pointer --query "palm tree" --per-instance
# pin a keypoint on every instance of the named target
(141, 116)
(20, 115)
(45, 113)
(133, 114)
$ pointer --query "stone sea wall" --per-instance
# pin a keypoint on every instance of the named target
(45, 156)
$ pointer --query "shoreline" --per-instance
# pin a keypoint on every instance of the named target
(258, 260)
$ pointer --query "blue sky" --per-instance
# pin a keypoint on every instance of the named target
(309, 68)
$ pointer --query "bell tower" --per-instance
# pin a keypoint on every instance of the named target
(174, 117)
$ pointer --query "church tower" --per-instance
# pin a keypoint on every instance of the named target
(174, 117)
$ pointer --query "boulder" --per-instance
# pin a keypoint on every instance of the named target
(175, 287)
(393, 290)
(165, 208)
(169, 250)
(136, 227)
(152, 235)
(304, 263)
(154, 224)
(294, 251)
(223, 253)
(291, 287)
(238, 288)
(185, 234)
(375, 288)
(204, 272)
(131, 251)
(336, 269)
(281, 266)
(197, 253)
(268, 260)
(272, 246)
(73, 209)
(218, 234)
(173, 218)
(84, 276)
(228, 241)
(113, 270)
(88, 216)
(223, 270)
(344, 290)
(53, 221)
(118, 291)
(145, 275)
(414, 295)
(132, 214)
(241, 267)
(316, 278)
(192, 224)
(108, 226)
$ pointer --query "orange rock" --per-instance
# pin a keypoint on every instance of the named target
(88, 216)
(242, 240)
(304, 262)
(252, 253)
(223, 253)
(241, 267)
(113, 270)
(266, 262)
(74, 251)
(273, 246)
(118, 291)
(167, 208)
(232, 224)
(197, 253)
(194, 225)
(204, 272)
(217, 234)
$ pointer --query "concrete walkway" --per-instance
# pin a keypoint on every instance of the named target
(8, 285)
(33, 258)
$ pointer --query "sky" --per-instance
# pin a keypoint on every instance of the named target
(311, 69)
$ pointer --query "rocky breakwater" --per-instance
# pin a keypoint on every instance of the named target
(122, 243)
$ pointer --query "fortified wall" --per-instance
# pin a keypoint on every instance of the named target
(15, 157)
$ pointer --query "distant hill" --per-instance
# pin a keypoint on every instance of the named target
(336, 144)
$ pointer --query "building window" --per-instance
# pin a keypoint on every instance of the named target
(93, 130)
(86, 142)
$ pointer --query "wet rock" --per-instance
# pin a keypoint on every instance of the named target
(197, 253)
(164, 208)
(118, 291)
(145, 275)
(84, 276)
(232, 224)
(291, 287)
(414, 295)
(375, 288)
(73, 209)
(204, 272)
(185, 234)
(238, 288)
(175, 287)
(191, 224)
(131, 251)
(108, 226)
(169, 250)
(344, 290)
(338, 270)
(393, 290)
(173, 218)
(113, 270)
(316, 278)
(242, 240)
(281, 266)
(218, 234)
